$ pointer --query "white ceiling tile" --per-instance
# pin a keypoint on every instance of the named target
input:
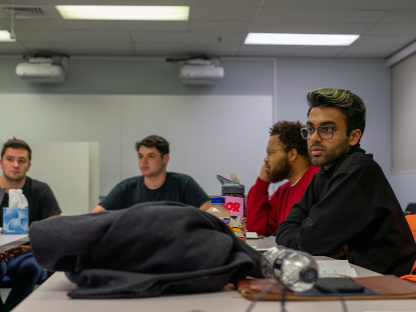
(384, 26)
(408, 5)
(384, 40)
(223, 2)
(39, 25)
(290, 51)
(400, 17)
(383, 51)
(186, 49)
(211, 38)
(388, 29)
(47, 10)
(141, 2)
(13, 48)
(222, 13)
(319, 15)
(4, 24)
(337, 4)
(73, 35)
(219, 26)
(309, 27)
(82, 47)
(127, 25)
(281, 3)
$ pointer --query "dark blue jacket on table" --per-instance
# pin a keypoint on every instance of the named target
(143, 251)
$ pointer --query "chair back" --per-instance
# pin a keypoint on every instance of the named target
(411, 208)
(411, 220)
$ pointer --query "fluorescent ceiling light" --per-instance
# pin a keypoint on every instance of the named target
(5, 36)
(124, 12)
(300, 39)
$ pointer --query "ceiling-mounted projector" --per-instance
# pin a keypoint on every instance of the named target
(200, 71)
(43, 70)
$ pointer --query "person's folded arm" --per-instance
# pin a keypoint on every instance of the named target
(334, 220)
(287, 232)
(342, 214)
(260, 214)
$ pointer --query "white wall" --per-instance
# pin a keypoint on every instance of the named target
(369, 78)
(69, 168)
(207, 133)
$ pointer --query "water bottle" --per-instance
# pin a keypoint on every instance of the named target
(296, 269)
(218, 210)
(233, 192)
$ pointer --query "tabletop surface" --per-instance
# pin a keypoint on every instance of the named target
(9, 241)
(52, 296)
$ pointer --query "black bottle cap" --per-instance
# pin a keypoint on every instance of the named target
(309, 275)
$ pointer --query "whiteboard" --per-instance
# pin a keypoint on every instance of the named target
(209, 135)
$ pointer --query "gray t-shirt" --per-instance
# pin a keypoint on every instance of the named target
(177, 187)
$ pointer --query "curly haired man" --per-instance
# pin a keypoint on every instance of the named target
(287, 158)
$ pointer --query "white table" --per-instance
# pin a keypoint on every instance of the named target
(51, 297)
(263, 243)
(268, 242)
(9, 241)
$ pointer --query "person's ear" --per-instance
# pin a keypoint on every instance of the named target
(165, 159)
(293, 154)
(28, 168)
(355, 136)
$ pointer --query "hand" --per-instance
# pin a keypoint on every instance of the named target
(3, 257)
(263, 174)
(344, 253)
(18, 251)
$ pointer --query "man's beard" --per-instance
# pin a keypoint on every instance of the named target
(280, 172)
(331, 157)
(13, 179)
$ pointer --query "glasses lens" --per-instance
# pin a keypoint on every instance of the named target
(325, 132)
(304, 132)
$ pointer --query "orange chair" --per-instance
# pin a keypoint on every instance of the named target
(411, 220)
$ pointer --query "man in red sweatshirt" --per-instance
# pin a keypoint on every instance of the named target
(287, 158)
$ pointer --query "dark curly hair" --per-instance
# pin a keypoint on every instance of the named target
(289, 135)
(16, 144)
(350, 104)
(161, 144)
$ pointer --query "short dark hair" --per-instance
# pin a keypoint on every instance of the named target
(289, 135)
(350, 104)
(161, 144)
(16, 144)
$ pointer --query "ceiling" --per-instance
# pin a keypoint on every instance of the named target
(216, 28)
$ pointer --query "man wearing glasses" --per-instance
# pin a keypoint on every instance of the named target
(349, 210)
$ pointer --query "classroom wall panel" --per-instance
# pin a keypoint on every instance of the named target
(70, 169)
(208, 135)
(72, 118)
(403, 115)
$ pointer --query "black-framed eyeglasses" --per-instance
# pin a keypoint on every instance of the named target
(324, 132)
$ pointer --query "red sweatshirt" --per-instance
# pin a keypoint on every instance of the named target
(264, 214)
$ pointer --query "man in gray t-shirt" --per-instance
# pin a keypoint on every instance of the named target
(156, 184)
